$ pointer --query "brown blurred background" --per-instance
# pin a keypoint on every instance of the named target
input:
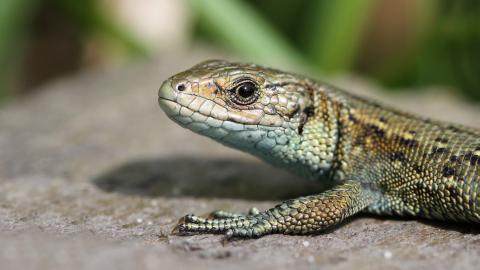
(400, 44)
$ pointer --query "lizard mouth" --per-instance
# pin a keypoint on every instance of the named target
(170, 107)
(162, 99)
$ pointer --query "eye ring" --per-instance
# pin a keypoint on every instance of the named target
(244, 93)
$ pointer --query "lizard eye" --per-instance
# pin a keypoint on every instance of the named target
(244, 93)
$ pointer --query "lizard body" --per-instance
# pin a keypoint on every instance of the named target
(378, 159)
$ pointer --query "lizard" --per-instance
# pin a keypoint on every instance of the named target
(377, 159)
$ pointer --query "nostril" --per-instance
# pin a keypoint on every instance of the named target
(180, 87)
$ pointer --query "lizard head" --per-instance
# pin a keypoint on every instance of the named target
(252, 108)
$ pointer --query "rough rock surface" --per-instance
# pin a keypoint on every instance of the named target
(94, 176)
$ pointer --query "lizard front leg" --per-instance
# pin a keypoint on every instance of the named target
(304, 215)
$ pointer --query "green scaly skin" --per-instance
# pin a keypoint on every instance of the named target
(378, 159)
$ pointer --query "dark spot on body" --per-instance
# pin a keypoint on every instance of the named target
(382, 119)
(417, 168)
(453, 158)
(441, 140)
(375, 130)
(438, 150)
(453, 191)
(307, 113)
(398, 156)
(303, 120)
(412, 132)
(448, 171)
(408, 142)
(472, 158)
(352, 118)
(468, 156)
(475, 160)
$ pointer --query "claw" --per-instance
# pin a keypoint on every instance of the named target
(179, 229)
(227, 237)
(228, 234)
(253, 211)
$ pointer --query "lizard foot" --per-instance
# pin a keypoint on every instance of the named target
(253, 224)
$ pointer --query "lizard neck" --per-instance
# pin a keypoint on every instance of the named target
(312, 151)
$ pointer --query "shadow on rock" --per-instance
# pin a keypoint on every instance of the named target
(225, 178)
(448, 225)
(461, 227)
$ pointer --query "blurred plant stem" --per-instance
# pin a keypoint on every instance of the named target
(335, 32)
(15, 16)
(239, 27)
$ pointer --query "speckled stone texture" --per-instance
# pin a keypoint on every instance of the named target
(94, 176)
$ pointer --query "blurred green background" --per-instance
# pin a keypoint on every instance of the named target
(399, 44)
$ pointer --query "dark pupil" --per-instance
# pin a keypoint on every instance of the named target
(246, 90)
